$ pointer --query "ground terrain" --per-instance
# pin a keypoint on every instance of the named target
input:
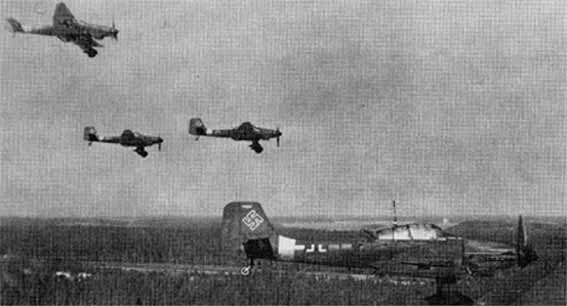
(178, 261)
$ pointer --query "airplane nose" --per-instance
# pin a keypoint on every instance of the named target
(159, 140)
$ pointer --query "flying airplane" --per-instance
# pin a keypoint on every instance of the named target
(127, 139)
(246, 131)
(246, 230)
(69, 29)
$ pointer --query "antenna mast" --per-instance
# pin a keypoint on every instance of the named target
(395, 221)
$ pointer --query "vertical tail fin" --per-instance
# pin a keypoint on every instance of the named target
(15, 25)
(197, 127)
(246, 229)
(524, 250)
(90, 134)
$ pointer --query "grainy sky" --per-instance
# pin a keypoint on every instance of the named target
(449, 107)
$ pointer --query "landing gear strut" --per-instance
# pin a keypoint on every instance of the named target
(445, 296)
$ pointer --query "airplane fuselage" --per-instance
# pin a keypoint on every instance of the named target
(418, 254)
(254, 135)
(72, 30)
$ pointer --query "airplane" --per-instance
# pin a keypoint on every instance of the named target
(127, 139)
(246, 230)
(68, 29)
(246, 131)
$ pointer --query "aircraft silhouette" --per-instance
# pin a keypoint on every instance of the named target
(245, 132)
(69, 29)
(246, 230)
(127, 139)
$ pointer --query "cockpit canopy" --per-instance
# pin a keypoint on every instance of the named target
(413, 231)
(246, 126)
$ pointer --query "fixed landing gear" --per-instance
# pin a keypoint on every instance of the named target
(91, 52)
(143, 153)
(256, 147)
(445, 295)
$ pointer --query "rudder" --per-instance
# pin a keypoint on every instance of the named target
(90, 134)
(197, 127)
(246, 230)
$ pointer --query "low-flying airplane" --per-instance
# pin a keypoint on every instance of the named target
(69, 29)
(127, 139)
(246, 230)
(246, 131)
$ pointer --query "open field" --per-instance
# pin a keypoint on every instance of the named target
(178, 261)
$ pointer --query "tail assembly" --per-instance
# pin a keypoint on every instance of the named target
(246, 229)
(90, 134)
(197, 127)
(524, 250)
(16, 26)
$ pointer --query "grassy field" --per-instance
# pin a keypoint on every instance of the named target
(33, 250)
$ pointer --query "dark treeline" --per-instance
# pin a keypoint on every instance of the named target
(190, 243)
(193, 243)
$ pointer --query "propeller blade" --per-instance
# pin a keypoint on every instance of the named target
(159, 146)
(115, 32)
(278, 138)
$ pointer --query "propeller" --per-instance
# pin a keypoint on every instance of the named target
(278, 133)
(114, 30)
(159, 142)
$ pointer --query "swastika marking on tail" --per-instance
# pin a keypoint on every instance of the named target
(252, 220)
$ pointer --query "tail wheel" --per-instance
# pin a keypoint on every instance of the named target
(245, 271)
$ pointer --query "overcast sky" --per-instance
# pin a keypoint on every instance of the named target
(451, 108)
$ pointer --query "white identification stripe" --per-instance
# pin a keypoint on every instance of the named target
(286, 247)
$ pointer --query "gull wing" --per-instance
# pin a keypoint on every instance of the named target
(62, 16)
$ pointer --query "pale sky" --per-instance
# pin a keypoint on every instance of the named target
(448, 107)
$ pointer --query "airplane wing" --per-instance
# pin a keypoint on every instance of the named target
(110, 139)
(62, 16)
